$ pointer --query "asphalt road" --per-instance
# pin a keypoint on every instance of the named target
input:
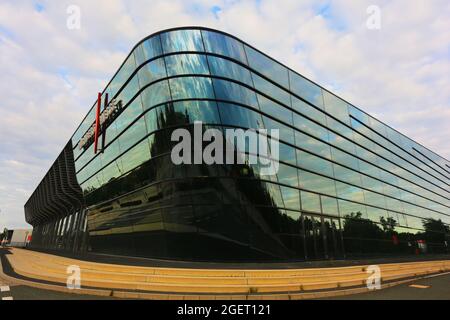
(434, 287)
(19, 292)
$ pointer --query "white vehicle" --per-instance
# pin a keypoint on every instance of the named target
(20, 238)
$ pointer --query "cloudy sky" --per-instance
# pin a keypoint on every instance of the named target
(49, 74)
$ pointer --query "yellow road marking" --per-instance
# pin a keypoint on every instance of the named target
(419, 286)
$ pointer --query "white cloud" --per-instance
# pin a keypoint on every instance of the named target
(50, 74)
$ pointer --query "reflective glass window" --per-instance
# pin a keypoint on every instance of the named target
(329, 205)
(370, 183)
(275, 194)
(268, 67)
(224, 45)
(316, 183)
(148, 49)
(374, 199)
(376, 214)
(136, 156)
(111, 152)
(151, 120)
(129, 92)
(155, 94)
(311, 144)
(349, 209)
(230, 91)
(291, 198)
(287, 154)
(84, 158)
(151, 72)
(287, 175)
(349, 192)
(275, 92)
(186, 64)
(84, 126)
(286, 133)
(313, 163)
(310, 127)
(235, 115)
(228, 69)
(358, 114)
(133, 134)
(122, 76)
(113, 170)
(341, 142)
(128, 115)
(344, 158)
(336, 106)
(190, 111)
(308, 110)
(306, 89)
(274, 109)
(191, 87)
(347, 175)
(182, 40)
(310, 201)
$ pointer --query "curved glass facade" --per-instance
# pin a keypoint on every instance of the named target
(347, 184)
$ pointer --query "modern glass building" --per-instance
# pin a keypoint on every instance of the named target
(347, 186)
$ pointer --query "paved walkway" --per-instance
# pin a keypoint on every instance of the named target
(433, 287)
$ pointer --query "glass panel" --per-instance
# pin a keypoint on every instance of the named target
(190, 111)
(349, 192)
(306, 89)
(270, 89)
(148, 49)
(336, 106)
(313, 163)
(374, 199)
(227, 69)
(375, 214)
(287, 154)
(349, 209)
(152, 71)
(308, 110)
(267, 67)
(291, 198)
(310, 127)
(128, 115)
(136, 132)
(182, 40)
(287, 175)
(111, 152)
(128, 93)
(191, 87)
(186, 64)
(347, 175)
(122, 76)
(312, 144)
(224, 45)
(239, 116)
(344, 158)
(226, 90)
(286, 133)
(310, 201)
(329, 205)
(136, 156)
(358, 114)
(275, 110)
(316, 183)
(155, 94)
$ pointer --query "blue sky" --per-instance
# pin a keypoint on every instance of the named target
(49, 74)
